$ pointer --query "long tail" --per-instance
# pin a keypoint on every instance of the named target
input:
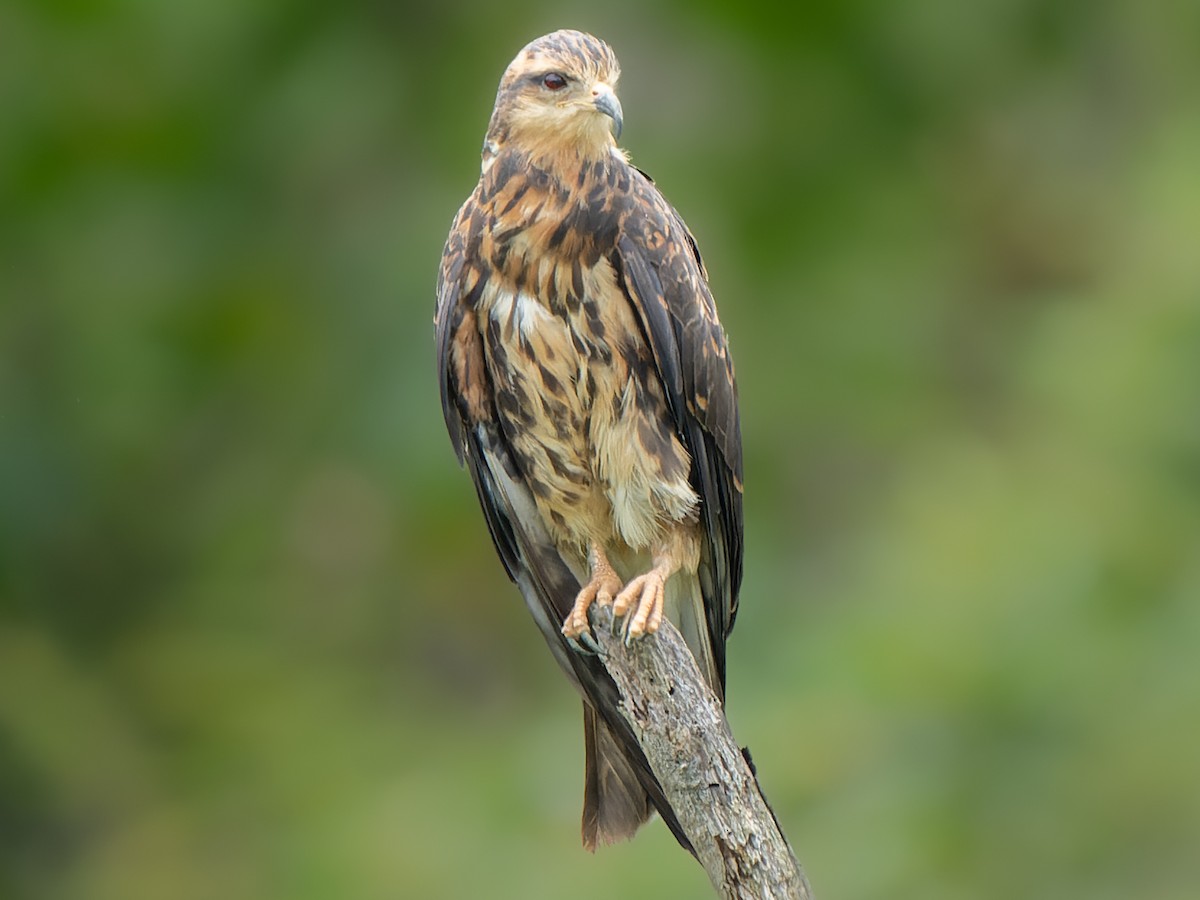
(615, 804)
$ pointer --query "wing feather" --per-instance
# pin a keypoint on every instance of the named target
(659, 269)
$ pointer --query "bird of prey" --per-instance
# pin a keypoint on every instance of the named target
(587, 386)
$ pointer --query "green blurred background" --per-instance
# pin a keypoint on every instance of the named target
(254, 642)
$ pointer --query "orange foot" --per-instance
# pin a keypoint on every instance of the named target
(647, 592)
(604, 584)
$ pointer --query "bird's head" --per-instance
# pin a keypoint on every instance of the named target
(557, 97)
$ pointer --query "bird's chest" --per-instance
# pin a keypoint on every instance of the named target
(578, 397)
(556, 348)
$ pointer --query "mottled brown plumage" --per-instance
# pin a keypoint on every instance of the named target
(587, 386)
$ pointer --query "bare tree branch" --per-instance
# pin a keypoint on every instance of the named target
(682, 730)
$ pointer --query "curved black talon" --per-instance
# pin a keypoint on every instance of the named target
(584, 645)
(589, 642)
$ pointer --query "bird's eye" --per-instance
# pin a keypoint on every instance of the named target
(554, 81)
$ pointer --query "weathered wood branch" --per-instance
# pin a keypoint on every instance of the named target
(682, 729)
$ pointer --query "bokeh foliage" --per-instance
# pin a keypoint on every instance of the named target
(253, 639)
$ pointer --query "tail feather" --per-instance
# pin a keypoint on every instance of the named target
(615, 804)
(615, 799)
(685, 608)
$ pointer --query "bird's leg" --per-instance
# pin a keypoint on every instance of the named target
(644, 596)
(603, 585)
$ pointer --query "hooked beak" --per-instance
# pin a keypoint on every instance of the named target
(606, 102)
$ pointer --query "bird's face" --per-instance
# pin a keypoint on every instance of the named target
(558, 95)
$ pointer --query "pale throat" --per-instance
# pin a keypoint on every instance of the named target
(584, 138)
